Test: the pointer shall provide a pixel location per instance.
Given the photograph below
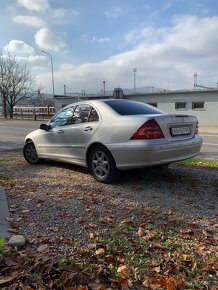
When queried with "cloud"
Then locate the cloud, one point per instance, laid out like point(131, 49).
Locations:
point(66, 67)
point(140, 34)
point(34, 61)
point(62, 13)
point(114, 12)
point(165, 58)
point(34, 5)
point(86, 39)
point(17, 47)
point(29, 20)
point(47, 39)
point(101, 39)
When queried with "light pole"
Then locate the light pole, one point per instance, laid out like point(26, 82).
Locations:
point(52, 73)
point(134, 71)
point(104, 87)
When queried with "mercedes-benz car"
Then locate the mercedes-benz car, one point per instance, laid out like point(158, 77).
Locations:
point(112, 135)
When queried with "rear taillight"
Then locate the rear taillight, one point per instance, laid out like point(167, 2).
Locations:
point(196, 129)
point(149, 130)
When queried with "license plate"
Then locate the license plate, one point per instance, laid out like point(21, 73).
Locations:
point(180, 131)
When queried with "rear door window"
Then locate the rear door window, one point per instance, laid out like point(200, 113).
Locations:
point(93, 117)
point(84, 113)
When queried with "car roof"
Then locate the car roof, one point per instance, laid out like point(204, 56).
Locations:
point(101, 101)
point(109, 106)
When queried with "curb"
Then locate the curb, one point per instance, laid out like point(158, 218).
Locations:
point(4, 212)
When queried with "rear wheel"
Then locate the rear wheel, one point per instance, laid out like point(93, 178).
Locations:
point(102, 165)
point(30, 154)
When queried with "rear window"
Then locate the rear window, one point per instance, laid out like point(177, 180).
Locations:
point(124, 108)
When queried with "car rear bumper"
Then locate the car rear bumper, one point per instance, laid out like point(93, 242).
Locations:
point(143, 154)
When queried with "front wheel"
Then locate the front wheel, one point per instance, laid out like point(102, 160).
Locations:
point(102, 165)
point(30, 154)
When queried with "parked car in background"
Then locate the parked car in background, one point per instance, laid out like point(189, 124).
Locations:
point(112, 135)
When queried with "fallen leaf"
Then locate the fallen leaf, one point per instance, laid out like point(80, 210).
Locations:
point(140, 232)
point(99, 252)
point(43, 248)
point(123, 271)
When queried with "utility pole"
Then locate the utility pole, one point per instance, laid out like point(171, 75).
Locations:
point(134, 71)
point(195, 80)
point(104, 87)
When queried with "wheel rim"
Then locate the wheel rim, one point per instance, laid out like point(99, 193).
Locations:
point(31, 153)
point(100, 164)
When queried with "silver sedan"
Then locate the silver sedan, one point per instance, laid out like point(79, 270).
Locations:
point(112, 135)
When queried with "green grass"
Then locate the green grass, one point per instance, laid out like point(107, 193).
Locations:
point(195, 162)
point(128, 258)
point(7, 181)
point(4, 252)
point(156, 254)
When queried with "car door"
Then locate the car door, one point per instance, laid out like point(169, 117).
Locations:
point(52, 142)
point(85, 122)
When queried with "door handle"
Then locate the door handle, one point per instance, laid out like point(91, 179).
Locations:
point(89, 128)
point(60, 131)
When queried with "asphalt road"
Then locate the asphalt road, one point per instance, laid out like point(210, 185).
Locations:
point(209, 148)
point(12, 133)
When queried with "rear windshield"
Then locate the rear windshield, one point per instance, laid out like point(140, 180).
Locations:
point(124, 107)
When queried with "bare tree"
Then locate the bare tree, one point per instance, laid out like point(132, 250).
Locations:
point(16, 83)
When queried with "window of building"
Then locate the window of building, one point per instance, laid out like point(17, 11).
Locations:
point(180, 105)
point(198, 105)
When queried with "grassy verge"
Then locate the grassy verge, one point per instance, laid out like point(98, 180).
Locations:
point(127, 258)
point(7, 181)
point(195, 162)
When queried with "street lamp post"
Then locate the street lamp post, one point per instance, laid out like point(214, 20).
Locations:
point(134, 71)
point(104, 87)
point(52, 73)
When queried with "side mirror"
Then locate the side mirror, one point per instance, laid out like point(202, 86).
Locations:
point(44, 127)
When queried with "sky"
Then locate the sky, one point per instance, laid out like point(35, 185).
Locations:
point(96, 41)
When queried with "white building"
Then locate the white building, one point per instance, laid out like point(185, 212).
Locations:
point(201, 103)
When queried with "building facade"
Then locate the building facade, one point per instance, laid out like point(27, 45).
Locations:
point(200, 103)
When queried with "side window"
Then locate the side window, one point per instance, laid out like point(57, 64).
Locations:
point(81, 114)
point(93, 117)
point(63, 118)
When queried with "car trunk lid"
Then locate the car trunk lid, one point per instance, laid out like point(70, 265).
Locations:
point(179, 127)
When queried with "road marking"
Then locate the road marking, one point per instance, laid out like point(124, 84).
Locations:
point(211, 144)
point(208, 135)
point(17, 128)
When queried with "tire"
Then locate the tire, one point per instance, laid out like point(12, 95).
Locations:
point(102, 165)
point(30, 154)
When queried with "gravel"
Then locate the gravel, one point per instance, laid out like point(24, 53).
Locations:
point(62, 204)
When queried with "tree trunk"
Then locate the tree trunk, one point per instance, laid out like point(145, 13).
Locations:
point(4, 108)
point(11, 112)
